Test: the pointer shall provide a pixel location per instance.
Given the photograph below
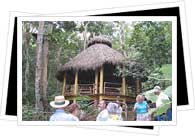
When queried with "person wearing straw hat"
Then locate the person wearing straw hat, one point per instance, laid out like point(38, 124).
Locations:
point(59, 104)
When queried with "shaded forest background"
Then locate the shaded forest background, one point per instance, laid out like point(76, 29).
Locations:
point(49, 45)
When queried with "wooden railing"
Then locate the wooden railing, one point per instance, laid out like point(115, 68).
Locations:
point(86, 89)
point(83, 89)
point(112, 88)
point(130, 92)
point(109, 89)
point(69, 90)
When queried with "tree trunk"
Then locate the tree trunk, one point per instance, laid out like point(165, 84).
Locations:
point(57, 66)
point(39, 68)
point(26, 37)
point(122, 39)
point(85, 35)
point(44, 73)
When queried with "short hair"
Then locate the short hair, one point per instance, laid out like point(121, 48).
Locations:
point(73, 107)
point(139, 96)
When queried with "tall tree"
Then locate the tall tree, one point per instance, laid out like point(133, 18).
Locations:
point(39, 68)
point(26, 37)
point(44, 72)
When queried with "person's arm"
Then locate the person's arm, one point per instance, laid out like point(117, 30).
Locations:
point(148, 107)
point(135, 108)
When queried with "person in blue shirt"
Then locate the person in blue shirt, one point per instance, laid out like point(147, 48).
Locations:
point(60, 115)
point(141, 109)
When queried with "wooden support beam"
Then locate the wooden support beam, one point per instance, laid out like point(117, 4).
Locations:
point(101, 79)
point(123, 86)
point(100, 97)
point(76, 84)
point(138, 86)
point(96, 81)
point(64, 85)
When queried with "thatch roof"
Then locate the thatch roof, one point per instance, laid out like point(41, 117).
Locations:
point(93, 57)
point(99, 39)
point(98, 53)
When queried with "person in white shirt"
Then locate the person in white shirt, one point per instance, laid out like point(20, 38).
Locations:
point(103, 115)
point(161, 97)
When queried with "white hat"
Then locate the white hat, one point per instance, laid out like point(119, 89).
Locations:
point(157, 88)
point(59, 102)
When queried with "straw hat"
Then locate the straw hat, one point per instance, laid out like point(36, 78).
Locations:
point(59, 102)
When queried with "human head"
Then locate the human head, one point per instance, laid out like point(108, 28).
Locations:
point(119, 103)
point(157, 90)
point(112, 108)
point(74, 109)
point(140, 98)
point(102, 105)
point(59, 102)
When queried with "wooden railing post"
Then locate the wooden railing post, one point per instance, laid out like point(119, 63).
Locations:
point(64, 85)
point(101, 80)
point(138, 86)
point(123, 86)
point(96, 81)
point(76, 85)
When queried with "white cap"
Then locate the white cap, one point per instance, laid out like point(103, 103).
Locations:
point(157, 88)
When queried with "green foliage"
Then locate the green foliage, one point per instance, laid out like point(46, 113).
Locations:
point(162, 109)
point(133, 69)
point(168, 91)
point(160, 76)
point(166, 71)
point(150, 95)
point(153, 41)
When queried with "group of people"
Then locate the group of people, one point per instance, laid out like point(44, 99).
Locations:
point(107, 112)
point(141, 106)
point(111, 111)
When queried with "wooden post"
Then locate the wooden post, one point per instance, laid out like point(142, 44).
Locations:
point(138, 86)
point(101, 80)
point(96, 81)
point(75, 86)
point(123, 86)
point(76, 83)
point(64, 85)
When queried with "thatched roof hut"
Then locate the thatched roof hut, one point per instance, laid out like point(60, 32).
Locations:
point(92, 72)
point(99, 52)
